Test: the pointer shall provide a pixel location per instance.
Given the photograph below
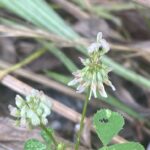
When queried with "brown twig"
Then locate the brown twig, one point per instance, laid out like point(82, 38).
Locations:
point(145, 3)
point(25, 89)
point(22, 31)
point(60, 41)
point(72, 9)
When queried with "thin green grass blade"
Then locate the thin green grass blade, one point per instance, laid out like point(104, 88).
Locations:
point(128, 74)
point(61, 56)
point(99, 11)
point(58, 77)
point(118, 7)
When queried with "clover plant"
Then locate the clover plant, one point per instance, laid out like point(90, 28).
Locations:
point(34, 109)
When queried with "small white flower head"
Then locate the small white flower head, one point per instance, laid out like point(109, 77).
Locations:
point(100, 46)
point(31, 111)
point(95, 72)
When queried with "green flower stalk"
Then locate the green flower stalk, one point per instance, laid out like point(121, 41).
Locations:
point(31, 111)
point(95, 72)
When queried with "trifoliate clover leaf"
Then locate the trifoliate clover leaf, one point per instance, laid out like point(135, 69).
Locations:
point(107, 124)
point(124, 146)
point(34, 144)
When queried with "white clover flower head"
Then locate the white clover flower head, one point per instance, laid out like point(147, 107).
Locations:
point(94, 47)
point(100, 46)
point(95, 72)
point(31, 111)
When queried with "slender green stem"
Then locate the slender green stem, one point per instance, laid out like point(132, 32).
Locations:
point(82, 121)
point(49, 134)
point(24, 62)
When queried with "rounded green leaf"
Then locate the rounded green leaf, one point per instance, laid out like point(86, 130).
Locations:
point(124, 146)
point(107, 124)
point(34, 144)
